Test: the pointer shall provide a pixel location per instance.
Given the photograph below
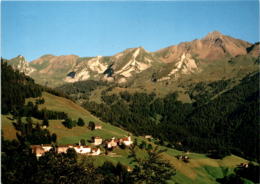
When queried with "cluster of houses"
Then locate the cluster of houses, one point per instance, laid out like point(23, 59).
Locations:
point(39, 150)
point(117, 142)
point(113, 142)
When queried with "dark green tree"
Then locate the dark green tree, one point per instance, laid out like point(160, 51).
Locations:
point(91, 125)
point(68, 123)
point(80, 122)
point(82, 142)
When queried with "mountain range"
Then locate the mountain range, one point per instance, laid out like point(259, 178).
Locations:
point(198, 99)
point(214, 57)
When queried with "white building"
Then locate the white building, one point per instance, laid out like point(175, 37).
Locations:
point(112, 143)
point(126, 141)
point(82, 149)
point(97, 141)
point(95, 151)
point(46, 147)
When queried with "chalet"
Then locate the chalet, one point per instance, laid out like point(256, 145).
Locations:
point(46, 147)
point(112, 143)
point(62, 149)
point(98, 127)
point(97, 140)
point(82, 149)
point(126, 141)
point(95, 151)
point(37, 150)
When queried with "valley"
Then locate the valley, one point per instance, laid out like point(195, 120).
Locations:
point(199, 100)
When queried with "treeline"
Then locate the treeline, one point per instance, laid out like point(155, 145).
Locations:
point(15, 88)
point(227, 124)
point(32, 110)
point(57, 92)
point(80, 89)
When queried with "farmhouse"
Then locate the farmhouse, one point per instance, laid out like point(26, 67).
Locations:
point(46, 147)
point(97, 140)
point(37, 150)
point(126, 141)
point(82, 149)
point(95, 151)
point(62, 149)
point(98, 127)
point(112, 143)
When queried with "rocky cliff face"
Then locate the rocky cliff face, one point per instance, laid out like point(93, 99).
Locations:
point(19, 63)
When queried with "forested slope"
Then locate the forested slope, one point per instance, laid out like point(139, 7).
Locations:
point(217, 127)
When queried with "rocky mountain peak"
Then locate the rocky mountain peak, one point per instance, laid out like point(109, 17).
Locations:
point(214, 36)
point(20, 63)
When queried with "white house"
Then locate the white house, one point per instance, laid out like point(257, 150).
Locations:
point(126, 141)
point(37, 150)
point(62, 149)
point(98, 127)
point(97, 141)
point(82, 149)
point(46, 147)
point(95, 151)
point(112, 143)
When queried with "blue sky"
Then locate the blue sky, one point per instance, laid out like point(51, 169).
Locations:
point(33, 29)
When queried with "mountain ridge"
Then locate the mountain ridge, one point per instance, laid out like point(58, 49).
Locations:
point(123, 66)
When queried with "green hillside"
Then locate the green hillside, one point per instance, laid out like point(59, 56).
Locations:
point(200, 169)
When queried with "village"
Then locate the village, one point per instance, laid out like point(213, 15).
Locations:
point(90, 150)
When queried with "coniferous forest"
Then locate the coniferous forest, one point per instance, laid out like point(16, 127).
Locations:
point(227, 124)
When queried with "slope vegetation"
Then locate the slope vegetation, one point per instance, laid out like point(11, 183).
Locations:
point(200, 169)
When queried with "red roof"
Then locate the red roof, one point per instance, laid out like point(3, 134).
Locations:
point(94, 149)
point(125, 139)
